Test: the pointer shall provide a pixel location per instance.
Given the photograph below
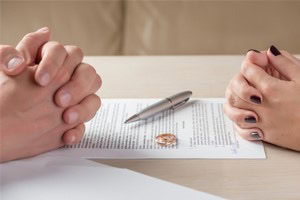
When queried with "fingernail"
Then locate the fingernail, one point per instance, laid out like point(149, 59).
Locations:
point(65, 98)
point(73, 138)
point(14, 63)
point(255, 135)
point(44, 80)
point(255, 99)
point(250, 119)
point(73, 117)
point(274, 51)
point(44, 29)
point(254, 50)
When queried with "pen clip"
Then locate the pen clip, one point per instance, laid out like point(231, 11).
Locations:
point(180, 103)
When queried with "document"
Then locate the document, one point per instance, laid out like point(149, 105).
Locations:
point(61, 178)
point(201, 128)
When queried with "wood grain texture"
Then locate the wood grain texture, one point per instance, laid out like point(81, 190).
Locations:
point(277, 177)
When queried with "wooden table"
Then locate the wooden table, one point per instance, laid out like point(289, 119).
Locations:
point(277, 177)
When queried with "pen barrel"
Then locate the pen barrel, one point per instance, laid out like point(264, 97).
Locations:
point(155, 108)
point(180, 97)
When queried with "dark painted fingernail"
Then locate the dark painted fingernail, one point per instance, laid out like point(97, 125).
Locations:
point(255, 135)
point(250, 119)
point(254, 50)
point(255, 99)
point(274, 51)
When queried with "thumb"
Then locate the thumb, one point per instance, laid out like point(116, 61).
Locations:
point(12, 61)
point(282, 64)
point(30, 45)
point(258, 58)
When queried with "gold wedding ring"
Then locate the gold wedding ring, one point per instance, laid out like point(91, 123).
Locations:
point(166, 139)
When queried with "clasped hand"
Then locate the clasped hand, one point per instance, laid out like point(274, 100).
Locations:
point(263, 99)
point(47, 93)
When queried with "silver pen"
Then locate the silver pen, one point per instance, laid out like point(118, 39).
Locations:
point(168, 103)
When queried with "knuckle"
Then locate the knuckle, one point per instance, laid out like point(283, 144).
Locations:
point(231, 100)
point(234, 81)
point(267, 89)
point(96, 104)
point(239, 87)
point(77, 86)
point(63, 76)
point(4, 49)
point(52, 65)
point(56, 46)
point(99, 82)
point(245, 67)
point(241, 124)
point(81, 127)
point(226, 109)
point(79, 132)
point(228, 92)
point(244, 91)
point(74, 50)
point(243, 135)
point(91, 70)
point(236, 77)
point(99, 102)
point(88, 70)
point(30, 36)
point(238, 118)
point(58, 49)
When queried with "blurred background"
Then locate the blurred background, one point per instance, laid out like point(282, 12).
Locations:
point(157, 27)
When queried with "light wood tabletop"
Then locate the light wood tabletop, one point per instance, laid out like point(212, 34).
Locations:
point(277, 177)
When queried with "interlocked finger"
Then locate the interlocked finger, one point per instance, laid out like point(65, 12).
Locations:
point(249, 134)
point(243, 118)
point(84, 111)
point(84, 82)
point(74, 135)
point(73, 59)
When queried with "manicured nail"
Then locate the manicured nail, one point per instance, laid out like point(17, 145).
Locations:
point(44, 29)
point(250, 119)
point(254, 50)
point(73, 138)
point(14, 63)
point(255, 99)
point(274, 51)
point(44, 80)
point(73, 117)
point(255, 135)
point(65, 98)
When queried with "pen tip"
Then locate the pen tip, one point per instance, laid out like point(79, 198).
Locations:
point(132, 119)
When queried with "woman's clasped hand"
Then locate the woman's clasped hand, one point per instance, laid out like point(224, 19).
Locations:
point(263, 99)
